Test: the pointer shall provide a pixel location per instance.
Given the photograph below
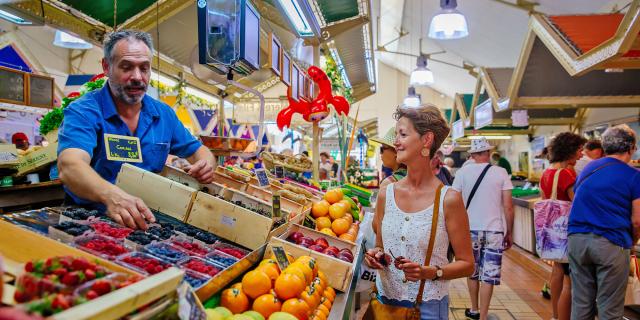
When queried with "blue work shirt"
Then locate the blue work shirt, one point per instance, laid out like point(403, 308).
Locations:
point(603, 201)
point(87, 119)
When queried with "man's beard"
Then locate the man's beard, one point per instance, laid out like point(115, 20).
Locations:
point(120, 91)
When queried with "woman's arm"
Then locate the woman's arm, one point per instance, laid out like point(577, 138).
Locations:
point(457, 224)
point(374, 255)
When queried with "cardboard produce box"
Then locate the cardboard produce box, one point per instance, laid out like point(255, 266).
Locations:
point(8, 156)
point(37, 159)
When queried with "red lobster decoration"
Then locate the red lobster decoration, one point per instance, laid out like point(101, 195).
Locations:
point(317, 109)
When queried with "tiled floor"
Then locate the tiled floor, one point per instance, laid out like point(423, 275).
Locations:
point(517, 298)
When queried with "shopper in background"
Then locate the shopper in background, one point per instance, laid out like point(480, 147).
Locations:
point(404, 212)
point(603, 225)
point(325, 166)
point(486, 190)
point(439, 170)
point(501, 162)
point(592, 151)
point(449, 163)
point(20, 140)
point(564, 150)
point(388, 156)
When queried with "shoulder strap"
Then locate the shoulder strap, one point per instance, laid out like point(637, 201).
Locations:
point(475, 186)
point(432, 238)
point(554, 186)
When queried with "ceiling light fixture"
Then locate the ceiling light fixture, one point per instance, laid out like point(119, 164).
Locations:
point(448, 23)
point(65, 40)
point(296, 17)
point(6, 15)
point(421, 76)
point(412, 100)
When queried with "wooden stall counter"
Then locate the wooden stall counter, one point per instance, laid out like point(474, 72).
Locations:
point(36, 195)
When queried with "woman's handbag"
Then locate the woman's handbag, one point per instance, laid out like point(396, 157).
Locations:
point(551, 219)
point(379, 311)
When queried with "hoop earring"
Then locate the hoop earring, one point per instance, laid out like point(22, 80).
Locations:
point(424, 152)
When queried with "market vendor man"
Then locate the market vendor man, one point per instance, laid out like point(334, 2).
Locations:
point(120, 124)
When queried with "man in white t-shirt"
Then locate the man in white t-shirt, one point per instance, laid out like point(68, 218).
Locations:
point(489, 209)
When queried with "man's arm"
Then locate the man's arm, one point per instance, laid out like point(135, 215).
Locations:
point(82, 180)
point(507, 204)
point(635, 220)
point(202, 164)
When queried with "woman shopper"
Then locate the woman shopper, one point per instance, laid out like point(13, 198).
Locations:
point(404, 212)
point(603, 225)
point(563, 152)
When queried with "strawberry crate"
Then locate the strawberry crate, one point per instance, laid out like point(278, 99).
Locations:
point(143, 263)
point(202, 266)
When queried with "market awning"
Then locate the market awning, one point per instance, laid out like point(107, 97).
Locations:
point(582, 43)
point(541, 82)
point(495, 82)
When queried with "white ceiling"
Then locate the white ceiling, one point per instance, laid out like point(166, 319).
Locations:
point(496, 33)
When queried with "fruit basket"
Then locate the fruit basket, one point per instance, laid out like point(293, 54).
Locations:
point(142, 263)
point(231, 250)
point(201, 266)
point(79, 214)
point(297, 163)
point(339, 271)
point(166, 252)
point(110, 229)
point(222, 258)
point(68, 231)
point(193, 248)
point(136, 240)
point(101, 246)
point(196, 280)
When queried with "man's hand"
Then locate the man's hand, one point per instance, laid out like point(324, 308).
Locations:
point(201, 170)
point(128, 210)
point(508, 241)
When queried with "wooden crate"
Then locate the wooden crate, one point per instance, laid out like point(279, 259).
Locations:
point(338, 272)
point(157, 192)
point(228, 181)
point(180, 176)
point(229, 221)
point(267, 195)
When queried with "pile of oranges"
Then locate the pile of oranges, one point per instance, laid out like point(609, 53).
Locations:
point(333, 216)
point(300, 290)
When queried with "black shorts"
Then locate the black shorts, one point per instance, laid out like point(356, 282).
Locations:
point(565, 268)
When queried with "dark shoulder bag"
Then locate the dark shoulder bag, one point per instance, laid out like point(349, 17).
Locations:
point(450, 253)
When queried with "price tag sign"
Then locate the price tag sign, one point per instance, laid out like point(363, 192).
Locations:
point(189, 307)
point(309, 222)
point(281, 257)
point(122, 148)
point(275, 204)
point(279, 172)
point(263, 179)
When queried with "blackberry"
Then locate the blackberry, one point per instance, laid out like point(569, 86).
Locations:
point(161, 232)
point(141, 237)
point(206, 237)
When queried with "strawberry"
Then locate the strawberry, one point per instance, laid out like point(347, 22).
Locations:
point(73, 278)
point(28, 267)
point(20, 296)
point(101, 287)
point(80, 264)
point(92, 295)
point(60, 302)
point(60, 272)
point(90, 274)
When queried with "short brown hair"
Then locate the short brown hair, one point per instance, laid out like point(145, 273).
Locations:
point(426, 118)
point(564, 146)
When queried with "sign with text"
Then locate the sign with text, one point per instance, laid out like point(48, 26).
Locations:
point(275, 204)
point(122, 148)
point(309, 222)
point(483, 115)
point(248, 111)
point(457, 129)
point(281, 257)
point(519, 118)
point(263, 180)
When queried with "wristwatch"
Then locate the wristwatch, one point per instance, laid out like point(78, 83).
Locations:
point(439, 273)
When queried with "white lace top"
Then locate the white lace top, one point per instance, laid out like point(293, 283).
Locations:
point(407, 235)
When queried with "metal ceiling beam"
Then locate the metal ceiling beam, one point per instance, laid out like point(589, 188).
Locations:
point(333, 30)
point(145, 20)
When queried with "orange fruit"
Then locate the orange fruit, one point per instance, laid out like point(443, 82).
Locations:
point(256, 283)
point(320, 209)
point(306, 270)
point(325, 302)
point(346, 206)
point(288, 286)
point(268, 262)
point(234, 300)
point(346, 203)
point(323, 222)
point(340, 226)
point(318, 315)
point(333, 196)
point(337, 211)
point(323, 277)
point(348, 217)
point(271, 270)
point(309, 296)
point(328, 231)
point(347, 237)
point(237, 286)
point(266, 304)
point(319, 285)
point(324, 310)
point(296, 272)
point(297, 307)
point(329, 293)
point(311, 262)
